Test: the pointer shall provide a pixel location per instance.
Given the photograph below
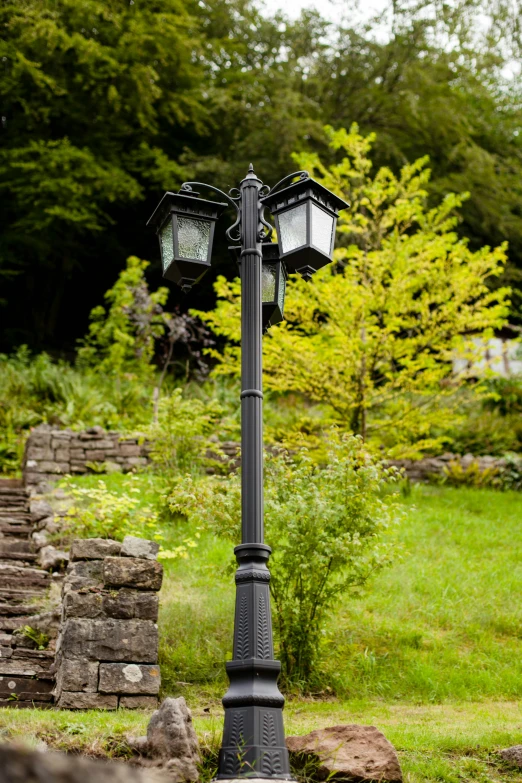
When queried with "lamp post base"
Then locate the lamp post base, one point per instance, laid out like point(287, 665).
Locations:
point(253, 738)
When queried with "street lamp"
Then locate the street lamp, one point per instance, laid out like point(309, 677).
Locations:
point(253, 743)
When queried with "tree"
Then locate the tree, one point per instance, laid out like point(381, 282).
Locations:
point(373, 337)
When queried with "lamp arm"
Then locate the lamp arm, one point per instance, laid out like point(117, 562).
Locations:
point(301, 174)
point(187, 187)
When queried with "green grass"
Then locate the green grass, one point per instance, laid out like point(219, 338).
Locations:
point(435, 743)
point(431, 654)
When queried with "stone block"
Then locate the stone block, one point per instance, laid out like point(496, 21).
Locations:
point(96, 455)
point(40, 440)
point(139, 547)
point(94, 548)
point(84, 573)
point(121, 604)
point(110, 640)
point(77, 675)
point(86, 701)
point(52, 467)
point(39, 453)
point(132, 572)
point(128, 450)
point(77, 453)
point(136, 462)
point(78, 468)
point(62, 455)
point(129, 678)
point(139, 702)
point(96, 445)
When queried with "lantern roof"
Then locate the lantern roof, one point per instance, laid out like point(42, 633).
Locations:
point(187, 203)
point(298, 191)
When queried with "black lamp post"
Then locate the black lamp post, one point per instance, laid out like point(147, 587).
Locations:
point(253, 739)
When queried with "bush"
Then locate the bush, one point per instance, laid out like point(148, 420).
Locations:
point(181, 435)
point(325, 526)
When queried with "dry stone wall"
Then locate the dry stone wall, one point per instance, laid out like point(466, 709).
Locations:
point(50, 453)
point(107, 651)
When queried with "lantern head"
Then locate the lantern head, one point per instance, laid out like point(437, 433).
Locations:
point(273, 283)
point(185, 224)
point(306, 215)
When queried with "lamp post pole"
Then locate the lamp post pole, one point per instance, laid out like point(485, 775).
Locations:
point(305, 213)
point(253, 738)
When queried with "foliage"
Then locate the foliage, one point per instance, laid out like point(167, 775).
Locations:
point(181, 436)
point(485, 432)
point(511, 476)
point(120, 340)
point(457, 475)
point(106, 104)
point(375, 336)
point(98, 512)
point(325, 527)
point(505, 395)
point(39, 639)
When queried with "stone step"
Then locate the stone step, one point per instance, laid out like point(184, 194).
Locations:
point(22, 557)
point(12, 483)
point(25, 689)
point(9, 526)
point(17, 610)
point(13, 545)
point(25, 668)
point(22, 576)
point(26, 705)
point(14, 595)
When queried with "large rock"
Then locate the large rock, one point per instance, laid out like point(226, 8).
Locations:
point(172, 740)
point(110, 640)
point(94, 548)
point(132, 572)
point(20, 765)
point(124, 604)
point(139, 547)
point(513, 755)
point(129, 678)
point(52, 559)
point(39, 510)
point(352, 751)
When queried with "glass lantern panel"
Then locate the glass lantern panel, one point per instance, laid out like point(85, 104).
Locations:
point(167, 245)
point(268, 282)
point(193, 238)
point(292, 227)
point(322, 229)
point(281, 293)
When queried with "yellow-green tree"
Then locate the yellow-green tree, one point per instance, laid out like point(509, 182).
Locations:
point(374, 335)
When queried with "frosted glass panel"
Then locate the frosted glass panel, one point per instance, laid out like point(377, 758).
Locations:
point(322, 229)
point(167, 245)
point(193, 238)
point(268, 282)
point(292, 226)
point(281, 293)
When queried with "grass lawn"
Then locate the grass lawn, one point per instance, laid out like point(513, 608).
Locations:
point(449, 743)
point(431, 654)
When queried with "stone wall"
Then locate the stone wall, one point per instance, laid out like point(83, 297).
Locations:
point(107, 650)
point(50, 453)
point(428, 468)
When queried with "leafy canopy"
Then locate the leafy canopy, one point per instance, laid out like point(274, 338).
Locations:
point(373, 337)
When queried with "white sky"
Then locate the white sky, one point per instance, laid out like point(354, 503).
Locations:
point(332, 10)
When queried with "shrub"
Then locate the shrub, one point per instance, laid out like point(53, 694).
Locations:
point(181, 435)
point(325, 526)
